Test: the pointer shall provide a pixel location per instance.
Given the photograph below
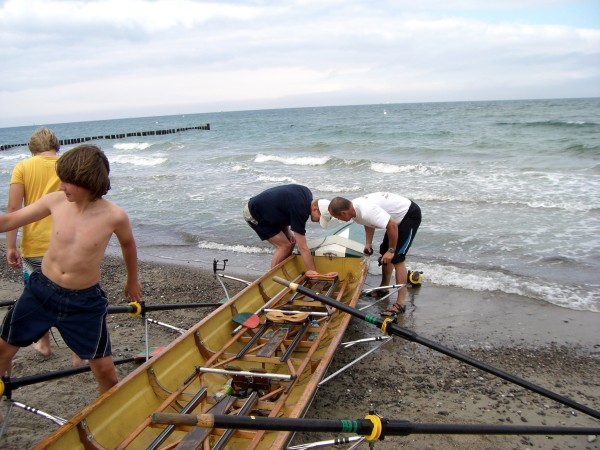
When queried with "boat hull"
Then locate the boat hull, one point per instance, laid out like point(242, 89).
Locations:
point(190, 372)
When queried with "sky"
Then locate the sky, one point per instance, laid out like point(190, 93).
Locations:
point(70, 61)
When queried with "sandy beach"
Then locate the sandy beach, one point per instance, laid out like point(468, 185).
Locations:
point(553, 347)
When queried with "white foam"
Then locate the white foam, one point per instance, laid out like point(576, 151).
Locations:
point(567, 296)
point(413, 168)
point(132, 146)
point(232, 248)
point(276, 179)
point(14, 157)
point(339, 189)
point(135, 160)
point(293, 160)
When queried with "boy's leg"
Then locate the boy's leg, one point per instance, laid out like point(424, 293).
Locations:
point(105, 373)
point(30, 265)
point(7, 352)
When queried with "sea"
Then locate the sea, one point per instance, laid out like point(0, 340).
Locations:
point(509, 190)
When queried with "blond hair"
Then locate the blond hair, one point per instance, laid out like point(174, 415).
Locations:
point(43, 140)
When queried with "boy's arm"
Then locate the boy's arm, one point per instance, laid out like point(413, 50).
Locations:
point(32, 213)
point(124, 234)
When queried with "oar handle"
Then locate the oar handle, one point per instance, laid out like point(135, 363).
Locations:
point(163, 307)
point(373, 427)
point(7, 385)
point(375, 320)
point(360, 426)
point(191, 420)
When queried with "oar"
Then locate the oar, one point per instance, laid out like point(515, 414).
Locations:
point(7, 385)
point(374, 427)
point(387, 326)
point(246, 319)
point(133, 309)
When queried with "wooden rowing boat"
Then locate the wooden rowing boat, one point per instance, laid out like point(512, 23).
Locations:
point(221, 367)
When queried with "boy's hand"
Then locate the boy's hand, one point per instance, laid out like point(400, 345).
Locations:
point(133, 290)
point(13, 258)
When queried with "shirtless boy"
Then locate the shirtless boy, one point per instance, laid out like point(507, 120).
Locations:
point(65, 294)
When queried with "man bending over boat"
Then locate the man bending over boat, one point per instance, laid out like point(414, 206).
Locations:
point(400, 218)
point(279, 215)
point(65, 293)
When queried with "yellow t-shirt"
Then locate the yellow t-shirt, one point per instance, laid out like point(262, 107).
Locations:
point(38, 177)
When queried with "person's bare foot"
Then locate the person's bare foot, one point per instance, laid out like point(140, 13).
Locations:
point(42, 348)
point(78, 362)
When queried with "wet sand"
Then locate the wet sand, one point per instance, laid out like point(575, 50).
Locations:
point(555, 348)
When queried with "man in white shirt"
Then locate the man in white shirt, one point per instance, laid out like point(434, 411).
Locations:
point(399, 217)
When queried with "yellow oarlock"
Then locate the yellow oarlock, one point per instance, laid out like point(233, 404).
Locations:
point(384, 324)
point(376, 433)
point(415, 277)
point(137, 309)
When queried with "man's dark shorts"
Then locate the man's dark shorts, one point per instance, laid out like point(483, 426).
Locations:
point(407, 229)
point(265, 231)
point(79, 315)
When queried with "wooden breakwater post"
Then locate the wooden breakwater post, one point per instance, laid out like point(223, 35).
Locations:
point(116, 136)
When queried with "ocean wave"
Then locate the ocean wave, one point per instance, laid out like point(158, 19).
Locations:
point(584, 150)
point(552, 123)
point(414, 168)
point(136, 160)
point(14, 157)
point(572, 296)
point(233, 248)
point(270, 179)
point(335, 189)
point(293, 160)
point(132, 146)
point(581, 205)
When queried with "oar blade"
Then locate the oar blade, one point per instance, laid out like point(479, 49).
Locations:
point(247, 319)
point(252, 322)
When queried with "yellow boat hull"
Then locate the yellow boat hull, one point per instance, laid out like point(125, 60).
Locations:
point(189, 373)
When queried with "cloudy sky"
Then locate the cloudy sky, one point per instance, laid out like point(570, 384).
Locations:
point(64, 60)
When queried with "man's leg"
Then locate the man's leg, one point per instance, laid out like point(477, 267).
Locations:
point(105, 373)
point(386, 274)
point(283, 248)
point(401, 278)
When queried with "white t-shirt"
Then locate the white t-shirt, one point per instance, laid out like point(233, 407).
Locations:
point(374, 210)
